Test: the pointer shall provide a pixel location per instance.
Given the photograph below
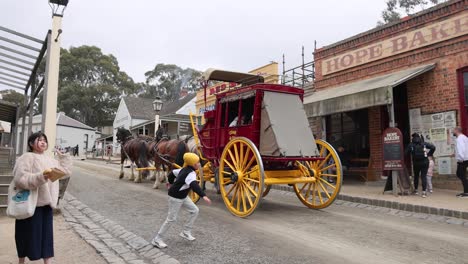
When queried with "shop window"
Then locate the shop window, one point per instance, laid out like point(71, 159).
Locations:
point(143, 131)
point(351, 131)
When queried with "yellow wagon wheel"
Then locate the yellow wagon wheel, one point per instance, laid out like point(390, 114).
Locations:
point(193, 195)
point(241, 176)
point(328, 175)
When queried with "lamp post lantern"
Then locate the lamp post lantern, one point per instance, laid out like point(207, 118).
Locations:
point(157, 106)
point(49, 110)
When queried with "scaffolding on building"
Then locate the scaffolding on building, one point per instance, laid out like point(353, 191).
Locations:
point(301, 76)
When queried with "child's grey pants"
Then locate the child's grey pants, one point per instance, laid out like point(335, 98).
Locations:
point(174, 208)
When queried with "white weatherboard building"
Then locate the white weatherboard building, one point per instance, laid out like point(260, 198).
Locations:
point(70, 133)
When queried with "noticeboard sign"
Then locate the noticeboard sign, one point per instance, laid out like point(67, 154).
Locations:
point(392, 142)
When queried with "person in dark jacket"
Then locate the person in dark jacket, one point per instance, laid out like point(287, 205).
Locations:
point(186, 180)
point(420, 150)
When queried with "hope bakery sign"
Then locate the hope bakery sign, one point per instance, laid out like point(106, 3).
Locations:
point(428, 35)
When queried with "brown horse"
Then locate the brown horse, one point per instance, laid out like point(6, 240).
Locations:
point(133, 149)
point(165, 152)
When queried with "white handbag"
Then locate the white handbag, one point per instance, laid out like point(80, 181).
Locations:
point(21, 203)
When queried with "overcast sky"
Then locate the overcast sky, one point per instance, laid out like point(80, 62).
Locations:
point(234, 35)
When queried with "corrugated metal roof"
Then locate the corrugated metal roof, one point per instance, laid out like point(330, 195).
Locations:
point(64, 120)
point(142, 108)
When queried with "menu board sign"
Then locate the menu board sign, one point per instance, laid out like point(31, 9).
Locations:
point(393, 158)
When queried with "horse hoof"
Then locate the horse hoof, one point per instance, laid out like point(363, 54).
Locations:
point(120, 177)
point(155, 187)
point(137, 181)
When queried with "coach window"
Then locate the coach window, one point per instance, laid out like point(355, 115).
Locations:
point(233, 113)
point(247, 111)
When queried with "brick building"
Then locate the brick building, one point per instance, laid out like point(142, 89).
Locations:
point(416, 68)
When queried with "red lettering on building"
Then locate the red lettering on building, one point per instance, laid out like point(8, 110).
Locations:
point(360, 54)
point(334, 65)
point(419, 38)
point(347, 62)
point(375, 51)
point(438, 30)
point(399, 44)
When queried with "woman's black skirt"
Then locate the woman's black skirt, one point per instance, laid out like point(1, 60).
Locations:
point(35, 235)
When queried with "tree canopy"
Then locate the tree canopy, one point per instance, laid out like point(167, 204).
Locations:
point(167, 80)
point(395, 9)
point(91, 85)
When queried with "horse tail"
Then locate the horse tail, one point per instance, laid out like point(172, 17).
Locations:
point(143, 155)
point(181, 149)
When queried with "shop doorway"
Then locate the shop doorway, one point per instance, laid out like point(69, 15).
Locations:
point(463, 95)
point(400, 106)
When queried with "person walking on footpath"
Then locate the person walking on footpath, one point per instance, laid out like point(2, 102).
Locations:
point(430, 172)
point(419, 152)
point(186, 180)
point(34, 235)
point(462, 159)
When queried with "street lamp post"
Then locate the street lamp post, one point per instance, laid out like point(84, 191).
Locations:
point(157, 105)
point(49, 122)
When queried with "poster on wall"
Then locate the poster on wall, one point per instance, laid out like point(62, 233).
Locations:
point(439, 134)
point(450, 120)
point(444, 165)
point(437, 129)
point(437, 120)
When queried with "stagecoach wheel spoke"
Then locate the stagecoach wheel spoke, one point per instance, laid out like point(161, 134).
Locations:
point(249, 198)
point(230, 190)
point(324, 189)
point(241, 164)
point(328, 178)
point(236, 155)
point(230, 166)
point(246, 158)
point(327, 183)
point(313, 194)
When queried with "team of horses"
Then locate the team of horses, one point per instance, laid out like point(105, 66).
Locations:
point(162, 151)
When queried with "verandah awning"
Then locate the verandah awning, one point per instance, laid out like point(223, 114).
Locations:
point(361, 94)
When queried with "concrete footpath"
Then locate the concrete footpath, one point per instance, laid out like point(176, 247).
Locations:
point(69, 247)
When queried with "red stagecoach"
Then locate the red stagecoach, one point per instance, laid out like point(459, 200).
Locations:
point(257, 136)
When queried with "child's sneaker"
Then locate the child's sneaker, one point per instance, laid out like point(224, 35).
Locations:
point(159, 243)
point(430, 191)
point(415, 192)
point(424, 195)
point(187, 236)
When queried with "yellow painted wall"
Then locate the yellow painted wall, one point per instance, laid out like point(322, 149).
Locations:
point(269, 73)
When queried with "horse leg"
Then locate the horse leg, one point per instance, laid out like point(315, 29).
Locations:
point(153, 176)
point(132, 178)
point(157, 174)
point(138, 177)
point(121, 167)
